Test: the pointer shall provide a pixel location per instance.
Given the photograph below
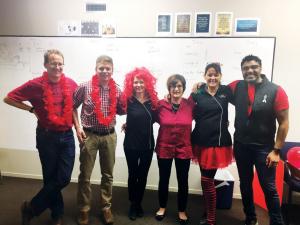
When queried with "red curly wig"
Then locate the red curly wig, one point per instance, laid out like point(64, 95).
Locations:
point(149, 81)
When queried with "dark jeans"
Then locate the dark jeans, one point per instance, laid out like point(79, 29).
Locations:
point(57, 154)
point(138, 162)
point(247, 156)
point(182, 172)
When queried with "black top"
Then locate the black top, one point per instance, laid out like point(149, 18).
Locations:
point(139, 125)
point(211, 117)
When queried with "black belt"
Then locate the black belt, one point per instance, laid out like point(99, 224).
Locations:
point(100, 133)
point(41, 129)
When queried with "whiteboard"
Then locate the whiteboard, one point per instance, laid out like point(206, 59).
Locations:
point(21, 59)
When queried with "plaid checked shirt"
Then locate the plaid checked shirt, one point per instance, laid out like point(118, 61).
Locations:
point(88, 117)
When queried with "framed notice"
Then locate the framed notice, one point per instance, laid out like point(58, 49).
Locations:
point(202, 24)
point(183, 24)
point(164, 24)
point(247, 26)
point(223, 23)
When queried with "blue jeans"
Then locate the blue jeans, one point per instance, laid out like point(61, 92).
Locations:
point(247, 156)
point(57, 154)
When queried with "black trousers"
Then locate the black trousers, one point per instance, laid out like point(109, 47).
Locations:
point(138, 162)
point(182, 172)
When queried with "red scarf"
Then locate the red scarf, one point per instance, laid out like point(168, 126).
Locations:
point(66, 117)
point(96, 98)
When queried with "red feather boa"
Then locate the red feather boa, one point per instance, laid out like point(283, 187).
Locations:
point(97, 101)
point(66, 117)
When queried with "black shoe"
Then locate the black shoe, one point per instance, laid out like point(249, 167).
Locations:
point(251, 221)
point(26, 213)
point(206, 223)
point(203, 220)
point(132, 212)
point(183, 222)
point(159, 217)
point(57, 221)
point(139, 211)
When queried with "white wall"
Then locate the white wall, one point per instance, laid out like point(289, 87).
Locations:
point(137, 18)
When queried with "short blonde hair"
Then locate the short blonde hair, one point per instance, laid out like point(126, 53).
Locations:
point(104, 58)
point(52, 52)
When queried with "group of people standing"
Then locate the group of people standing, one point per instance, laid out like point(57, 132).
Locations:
point(54, 100)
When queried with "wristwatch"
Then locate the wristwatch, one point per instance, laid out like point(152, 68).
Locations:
point(276, 150)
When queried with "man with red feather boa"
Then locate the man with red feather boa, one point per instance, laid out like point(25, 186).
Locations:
point(50, 96)
point(100, 99)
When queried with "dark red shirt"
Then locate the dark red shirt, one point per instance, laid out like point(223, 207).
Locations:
point(32, 91)
point(174, 135)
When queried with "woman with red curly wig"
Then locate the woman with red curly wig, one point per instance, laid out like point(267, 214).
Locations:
point(140, 100)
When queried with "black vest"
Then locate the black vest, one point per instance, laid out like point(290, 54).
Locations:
point(260, 126)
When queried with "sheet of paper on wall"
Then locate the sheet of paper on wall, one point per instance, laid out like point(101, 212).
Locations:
point(90, 28)
point(69, 28)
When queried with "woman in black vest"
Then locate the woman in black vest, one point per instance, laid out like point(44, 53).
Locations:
point(212, 145)
point(140, 100)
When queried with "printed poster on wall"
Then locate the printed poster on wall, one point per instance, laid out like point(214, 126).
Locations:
point(164, 24)
point(223, 23)
point(183, 24)
point(247, 26)
point(202, 23)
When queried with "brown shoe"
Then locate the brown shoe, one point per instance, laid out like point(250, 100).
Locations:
point(108, 216)
point(26, 213)
point(83, 218)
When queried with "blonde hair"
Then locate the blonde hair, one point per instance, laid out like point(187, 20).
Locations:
point(52, 52)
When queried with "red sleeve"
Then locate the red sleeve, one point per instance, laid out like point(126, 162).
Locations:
point(21, 93)
point(232, 85)
point(281, 100)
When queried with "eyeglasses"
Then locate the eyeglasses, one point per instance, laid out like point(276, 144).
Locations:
point(54, 65)
point(253, 67)
point(179, 86)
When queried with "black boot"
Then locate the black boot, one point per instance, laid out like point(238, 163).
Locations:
point(139, 210)
point(132, 212)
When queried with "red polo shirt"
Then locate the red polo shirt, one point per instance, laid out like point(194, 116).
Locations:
point(32, 91)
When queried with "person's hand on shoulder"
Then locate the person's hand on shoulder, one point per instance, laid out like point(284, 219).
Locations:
point(196, 86)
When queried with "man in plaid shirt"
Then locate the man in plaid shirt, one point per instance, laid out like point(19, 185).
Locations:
point(100, 99)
